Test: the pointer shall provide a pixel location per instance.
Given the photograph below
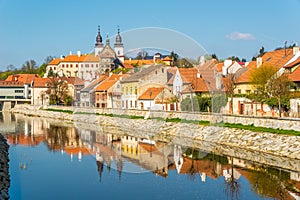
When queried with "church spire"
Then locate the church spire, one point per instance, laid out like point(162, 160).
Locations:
point(118, 37)
point(107, 39)
point(98, 38)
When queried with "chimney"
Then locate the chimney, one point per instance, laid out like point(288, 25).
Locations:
point(295, 50)
point(78, 53)
point(198, 74)
point(258, 62)
point(70, 52)
point(202, 60)
point(227, 63)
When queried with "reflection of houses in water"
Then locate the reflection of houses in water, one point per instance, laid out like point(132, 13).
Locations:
point(147, 153)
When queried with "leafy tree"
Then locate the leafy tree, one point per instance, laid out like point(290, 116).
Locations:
point(270, 85)
point(278, 87)
point(141, 55)
point(234, 58)
point(230, 85)
point(261, 51)
point(174, 56)
point(184, 63)
point(29, 66)
point(214, 56)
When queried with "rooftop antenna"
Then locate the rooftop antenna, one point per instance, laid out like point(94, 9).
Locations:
point(285, 47)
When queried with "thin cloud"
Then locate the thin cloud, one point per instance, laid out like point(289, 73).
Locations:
point(240, 36)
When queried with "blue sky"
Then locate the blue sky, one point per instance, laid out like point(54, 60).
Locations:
point(36, 29)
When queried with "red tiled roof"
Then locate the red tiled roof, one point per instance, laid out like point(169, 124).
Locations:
point(24, 78)
point(41, 82)
point(154, 93)
point(292, 64)
point(295, 75)
point(55, 61)
point(188, 75)
point(244, 77)
point(105, 85)
point(200, 85)
point(275, 58)
point(127, 66)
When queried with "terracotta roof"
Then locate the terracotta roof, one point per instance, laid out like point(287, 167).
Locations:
point(292, 64)
point(55, 61)
point(219, 67)
point(200, 85)
point(139, 62)
point(128, 66)
point(275, 58)
point(41, 82)
point(295, 75)
point(244, 77)
point(154, 93)
point(21, 139)
point(188, 75)
point(94, 83)
point(24, 78)
point(105, 85)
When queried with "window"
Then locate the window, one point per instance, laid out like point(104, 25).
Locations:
point(76, 65)
point(71, 65)
point(54, 68)
point(163, 70)
point(135, 90)
point(67, 65)
point(92, 65)
point(155, 72)
point(81, 65)
point(18, 91)
point(248, 91)
point(97, 65)
point(63, 66)
point(239, 91)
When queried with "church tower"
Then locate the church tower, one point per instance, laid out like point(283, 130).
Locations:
point(119, 47)
point(99, 44)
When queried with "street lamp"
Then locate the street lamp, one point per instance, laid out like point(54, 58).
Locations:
point(255, 92)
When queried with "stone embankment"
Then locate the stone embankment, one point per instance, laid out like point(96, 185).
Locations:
point(4, 169)
point(272, 144)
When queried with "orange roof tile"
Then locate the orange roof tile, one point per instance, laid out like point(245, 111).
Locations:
point(200, 85)
point(188, 74)
point(154, 93)
point(105, 85)
point(219, 67)
point(55, 61)
point(139, 62)
point(128, 66)
point(41, 82)
point(275, 58)
point(295, 75)
point(24, 78)
point(244, 77)
point(292, 64)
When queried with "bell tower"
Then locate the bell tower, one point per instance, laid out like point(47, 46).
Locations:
point(119, 47)
point(99, 44)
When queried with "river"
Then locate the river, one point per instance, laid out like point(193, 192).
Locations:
point(53, 159)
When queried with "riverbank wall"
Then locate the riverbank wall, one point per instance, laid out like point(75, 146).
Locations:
point(4, 169)
point(271, 144)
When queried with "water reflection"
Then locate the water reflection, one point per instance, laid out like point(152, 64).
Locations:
point(135, 154)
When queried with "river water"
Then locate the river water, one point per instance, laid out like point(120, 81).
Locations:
point(58, 160)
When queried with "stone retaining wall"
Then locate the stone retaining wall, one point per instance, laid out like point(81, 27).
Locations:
point(278, 145)
point(4, 169)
